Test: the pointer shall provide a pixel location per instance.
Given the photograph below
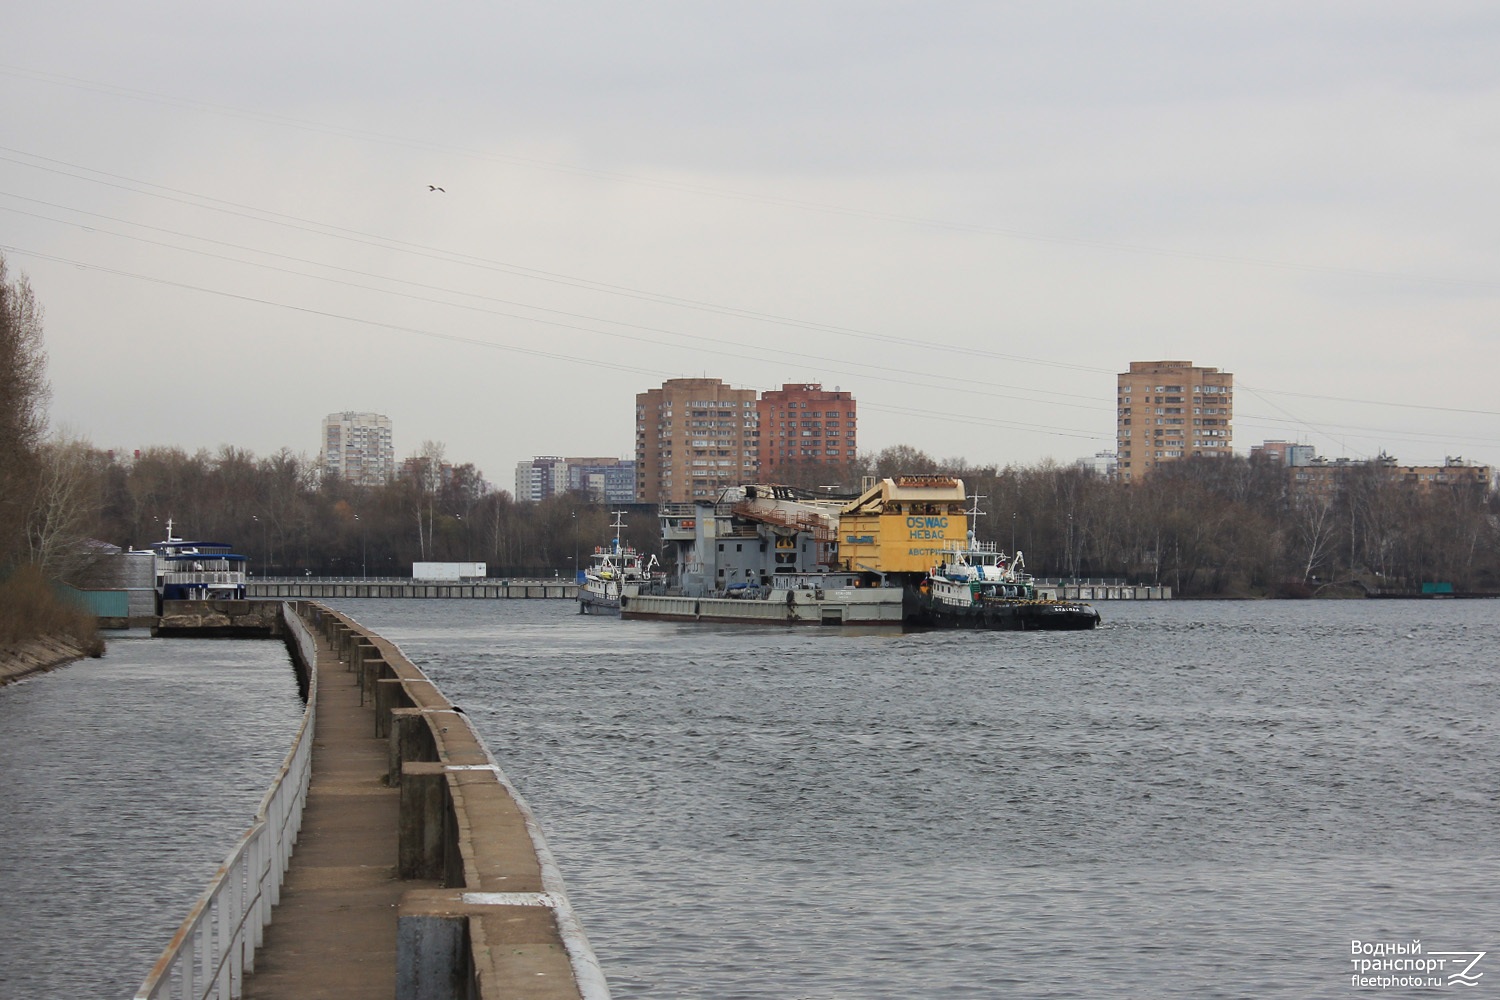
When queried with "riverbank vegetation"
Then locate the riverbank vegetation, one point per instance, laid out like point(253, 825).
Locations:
point(45, 506)
point(1229, 527)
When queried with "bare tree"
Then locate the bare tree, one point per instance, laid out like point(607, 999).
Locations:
point(65, 507)
point(23, 406)
point(427, 473)
point(1313, 519)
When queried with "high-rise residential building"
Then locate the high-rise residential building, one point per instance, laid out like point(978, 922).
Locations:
point(805, 424)
point(357, 447)
point(1104, 464)
point(693, 438)
point(1168, 410)
point(606, 480)
point(542, 477)
point(1285, 453)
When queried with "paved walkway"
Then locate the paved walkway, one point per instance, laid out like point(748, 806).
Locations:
point(334, 933)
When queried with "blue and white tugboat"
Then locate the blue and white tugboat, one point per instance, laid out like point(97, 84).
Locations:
point(198, 571)
point(978, 586)
point(615, 570)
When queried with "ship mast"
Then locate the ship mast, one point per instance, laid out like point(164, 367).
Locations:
point(973, 516)
point(618, 526)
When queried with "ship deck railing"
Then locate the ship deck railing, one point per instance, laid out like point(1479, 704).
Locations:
point(227, 578)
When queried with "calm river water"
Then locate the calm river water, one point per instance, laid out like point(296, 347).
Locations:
point(1197, 800)
point(127, 780)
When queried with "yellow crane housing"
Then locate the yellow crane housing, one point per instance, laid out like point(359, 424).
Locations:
point(903, 525)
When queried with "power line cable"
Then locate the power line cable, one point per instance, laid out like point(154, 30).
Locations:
point(731, 194)
point(954, 382)
point(436, 253)
point(321, 229)
point(473, 341)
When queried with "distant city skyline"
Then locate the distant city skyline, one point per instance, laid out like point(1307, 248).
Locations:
point(971, 217)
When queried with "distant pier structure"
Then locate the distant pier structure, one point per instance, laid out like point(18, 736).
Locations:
point(1101, 590)
point(317, 588)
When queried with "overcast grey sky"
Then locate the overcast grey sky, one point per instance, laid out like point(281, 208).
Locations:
point(969, 214)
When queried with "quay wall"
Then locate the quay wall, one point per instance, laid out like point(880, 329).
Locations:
point(1101, 592)
point(225, 619)
point(314, 588)
point(502, 926)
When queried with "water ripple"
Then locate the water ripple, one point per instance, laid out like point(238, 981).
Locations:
point(128, 780)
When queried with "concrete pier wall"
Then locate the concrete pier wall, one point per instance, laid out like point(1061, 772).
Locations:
point(220, 619)
point(1102, 592)
point(500, 924)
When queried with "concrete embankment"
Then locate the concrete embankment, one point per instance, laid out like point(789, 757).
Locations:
point(419, 870)
point(32, 657)
point(317, 588)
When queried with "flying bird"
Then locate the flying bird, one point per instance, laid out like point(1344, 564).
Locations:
point(434, 187)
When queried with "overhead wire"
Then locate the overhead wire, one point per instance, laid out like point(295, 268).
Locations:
point(455, 338)
point(327, 230)
point(314, 227)
point(955, 382)
point(436, 253)
point(716, 191)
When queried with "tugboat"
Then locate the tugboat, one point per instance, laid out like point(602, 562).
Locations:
point(614, 570)
point(978, 586)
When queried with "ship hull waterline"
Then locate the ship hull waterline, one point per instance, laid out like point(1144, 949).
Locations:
point(1027, 616)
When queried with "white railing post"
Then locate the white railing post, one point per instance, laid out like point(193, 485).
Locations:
point(189, 981)
point(214, 948)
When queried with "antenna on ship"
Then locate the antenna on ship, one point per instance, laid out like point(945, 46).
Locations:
point(973, 515)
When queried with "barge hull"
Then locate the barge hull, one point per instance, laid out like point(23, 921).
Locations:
point(863, 609)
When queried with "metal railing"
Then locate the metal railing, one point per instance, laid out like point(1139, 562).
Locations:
point(1088, 581)
point(496, 581)
point(203, 576)
point(215, 946)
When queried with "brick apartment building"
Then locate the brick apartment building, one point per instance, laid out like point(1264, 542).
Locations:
point(693, 438)
point(1168, 410)
point(805, 424)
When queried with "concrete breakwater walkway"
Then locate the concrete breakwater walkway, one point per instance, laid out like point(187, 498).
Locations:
point(418, 871)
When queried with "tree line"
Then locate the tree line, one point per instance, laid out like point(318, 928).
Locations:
point(290, 521)
point(1226, 526)
point(1233, 526)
